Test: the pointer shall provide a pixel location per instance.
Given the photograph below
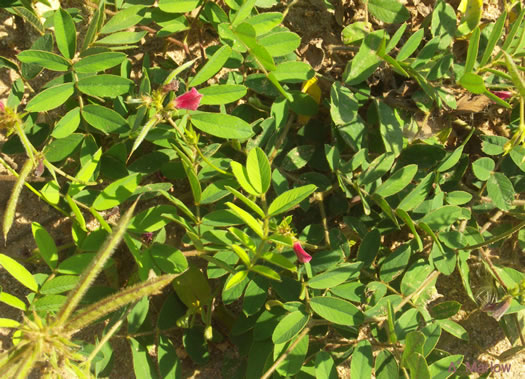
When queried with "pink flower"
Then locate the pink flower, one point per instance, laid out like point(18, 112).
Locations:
point(302, 256)
point(190, 100)
point(503, 95)
point(2, 108)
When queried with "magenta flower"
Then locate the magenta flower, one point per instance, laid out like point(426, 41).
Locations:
point(190, 100)
point(302, 256)
point(2, 108)
point(503, 95)
point(497, 310)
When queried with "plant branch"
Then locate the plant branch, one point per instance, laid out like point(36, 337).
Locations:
point(292, 346)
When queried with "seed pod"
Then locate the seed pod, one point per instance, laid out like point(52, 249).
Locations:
point(9, 214)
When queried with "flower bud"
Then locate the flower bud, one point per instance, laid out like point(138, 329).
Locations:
point(190, 100)
point(302, 256)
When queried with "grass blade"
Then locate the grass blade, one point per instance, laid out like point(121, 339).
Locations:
point(9, 214)
point(94, 268)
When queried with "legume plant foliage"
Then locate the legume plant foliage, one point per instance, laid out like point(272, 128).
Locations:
point(305, 229)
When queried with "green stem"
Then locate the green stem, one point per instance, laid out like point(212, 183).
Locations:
point(497, 238)
point(211, 164)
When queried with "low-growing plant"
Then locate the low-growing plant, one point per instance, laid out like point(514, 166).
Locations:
point(305, 228)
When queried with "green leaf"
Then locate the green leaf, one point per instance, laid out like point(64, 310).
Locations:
point(287, 200)
point(443, 258)
point(94, 26)
point(65, 33)
point(471, 18)
point(445, 309)
point(62, 148)
point(408, 221)
point(221, 125)
point(418, 194)
point(472, 52)
point(142, 365)
point(122, 38)
point(518, 156)
point(334, 277)
point(391, 128)
point(117, 192)
point(369, 247)
point(241, 174)
point(104, 119)
point(443, 24)
point(473, 83)
point(354, 32)
point(386, 365)
point(19, 272)
point(458, 197)
point(414, 342)
point(454, 328)
point(395, 263)
point(493, 145)
point(49, 303)
point(245, 33)
point(178, 6)
point(242, 254)
point(343, 105)
point(293, 72)
point(264, 22)
point(415, 276)
point(222, 94)
point(258, 170)
point(338, 311)
point(235, 279)
point(289, 327)
point(281, 43)
point(59, 284)
point(46, 245)
point(99, 62)
point(253, 223)
point(213, 66)
point(293, 363)
point(12, 301)
point(105, 85)
point(137, 315)
point(500, 191)
point(398, 181)
point(246, 201)
point(443, 217)
point(124, 19)
point(410, 45)
point(51, 98)
point(494, 37)
point(378, 167)
point(67, 124)
point(418, 366)
point(325, 366)
point(514, 72)
point(445, 367)
point(362, 360)
point(280, 261)
point(30, 17)
point(8, 323)
point(45, 59)
point(450, 161)
point(389, 11)
point(297, 157)
point(244, 11)
point(267, 272)
point(168, 361)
